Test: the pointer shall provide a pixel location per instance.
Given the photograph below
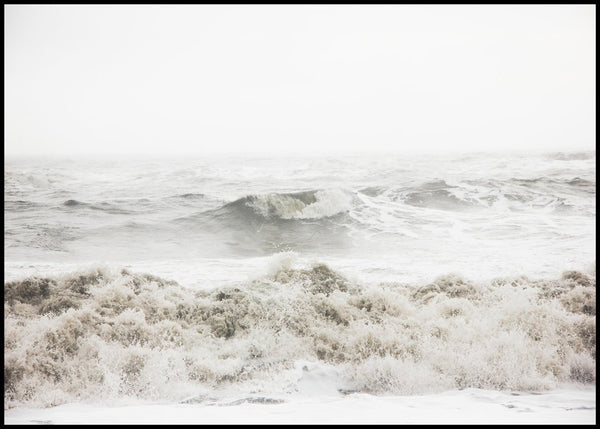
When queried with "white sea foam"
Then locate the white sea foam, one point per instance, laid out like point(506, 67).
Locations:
point(103, 334)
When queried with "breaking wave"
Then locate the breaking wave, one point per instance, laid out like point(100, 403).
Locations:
point(330, 206)
point(105, 334)
point(300, 205)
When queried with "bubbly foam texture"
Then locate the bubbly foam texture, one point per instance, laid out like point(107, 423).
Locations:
point(103, 334)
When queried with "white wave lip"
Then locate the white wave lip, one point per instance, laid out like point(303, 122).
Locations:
point(322, 204)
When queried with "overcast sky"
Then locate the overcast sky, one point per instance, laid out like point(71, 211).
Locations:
point(298, 79)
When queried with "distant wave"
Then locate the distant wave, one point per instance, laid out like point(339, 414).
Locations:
point(112, 208)
point(573, 156)
point(575, 181)
point(20, 205)
point(190, 196)
point(102, 334)
point(74, 203)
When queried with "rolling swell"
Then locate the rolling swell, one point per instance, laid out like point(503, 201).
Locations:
point(437, 194)
point(102, 334)
point(113, 207)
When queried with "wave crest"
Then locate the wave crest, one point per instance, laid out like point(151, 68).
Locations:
point(302, 205)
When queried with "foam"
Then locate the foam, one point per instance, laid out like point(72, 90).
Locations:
point(107, 334)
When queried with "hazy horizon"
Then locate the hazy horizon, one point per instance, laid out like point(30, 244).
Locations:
point(120, 80)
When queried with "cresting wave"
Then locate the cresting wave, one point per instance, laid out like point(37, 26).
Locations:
point(366, 207)
point(104, 334)
point(314, 204)
point(303, 205)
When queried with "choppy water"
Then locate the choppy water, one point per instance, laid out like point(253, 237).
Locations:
point(188, 279)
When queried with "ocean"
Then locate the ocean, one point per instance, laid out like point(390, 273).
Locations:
point(273, 289)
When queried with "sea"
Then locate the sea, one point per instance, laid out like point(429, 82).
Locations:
point(366, 288)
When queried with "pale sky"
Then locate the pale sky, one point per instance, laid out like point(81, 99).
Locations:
point(193, 79)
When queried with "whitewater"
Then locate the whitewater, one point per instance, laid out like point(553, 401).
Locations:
point(352, 289)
